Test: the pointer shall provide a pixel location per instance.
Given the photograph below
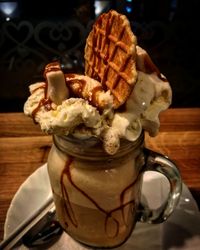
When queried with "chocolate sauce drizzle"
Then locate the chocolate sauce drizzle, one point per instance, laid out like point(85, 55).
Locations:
point(108, 214)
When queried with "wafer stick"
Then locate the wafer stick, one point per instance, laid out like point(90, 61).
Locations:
point(56, 89)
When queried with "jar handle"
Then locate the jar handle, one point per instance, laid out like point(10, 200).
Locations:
point(160, 163)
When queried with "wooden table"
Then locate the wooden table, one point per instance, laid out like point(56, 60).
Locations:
point(24, 148)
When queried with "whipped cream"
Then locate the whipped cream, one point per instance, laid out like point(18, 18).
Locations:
point(90, 112)
point(150, 96)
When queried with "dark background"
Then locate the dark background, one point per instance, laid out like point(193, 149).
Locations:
point(31, 35)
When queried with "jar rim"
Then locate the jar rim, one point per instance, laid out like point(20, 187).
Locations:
point(93, 147)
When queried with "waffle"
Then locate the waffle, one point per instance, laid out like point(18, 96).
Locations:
point(110, 55)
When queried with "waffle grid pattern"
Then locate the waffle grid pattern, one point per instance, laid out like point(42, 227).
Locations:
point(109, 59)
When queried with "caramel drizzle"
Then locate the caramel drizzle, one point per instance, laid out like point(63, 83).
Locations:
point(53, 66)
point(122, 196)
point(92, 95)
point(67, 205)
point(150, 67)
point(81, 85)
point(46, 103)
point(108, 214)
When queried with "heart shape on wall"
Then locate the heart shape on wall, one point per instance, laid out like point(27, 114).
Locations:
point(18, 33)
point(58, 38)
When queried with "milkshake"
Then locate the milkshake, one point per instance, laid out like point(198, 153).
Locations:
point(98, 121)
point(96, 195)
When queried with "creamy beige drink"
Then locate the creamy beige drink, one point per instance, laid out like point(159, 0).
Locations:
point(96, 195)
point(98, 121)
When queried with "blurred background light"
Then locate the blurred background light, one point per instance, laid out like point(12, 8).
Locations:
point(128, 9)
point(101, 6)
point(8, 8)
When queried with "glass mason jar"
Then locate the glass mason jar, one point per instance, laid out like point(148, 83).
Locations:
point(97, 196)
